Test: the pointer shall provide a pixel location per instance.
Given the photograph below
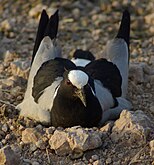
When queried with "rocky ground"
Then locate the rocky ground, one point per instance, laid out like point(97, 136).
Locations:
point(87, 25)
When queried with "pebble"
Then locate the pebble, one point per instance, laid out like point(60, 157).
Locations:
point(50, 130)
point(94, 157)
point(41, 144)
point(5, 26)
point(21, 128)
point(152, 108)
point(27, 161)
point(12, 128)
point(4, 141)
point(108, 160)
point(35, 163)
point(8, 137)
point(5, 128)
point(98, 35)
point(98, 162)
point(33, 147)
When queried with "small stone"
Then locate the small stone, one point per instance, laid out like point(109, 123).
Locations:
point(50, 130)
point(5, 26)
point(98, 162)
point(91, 161)
point(39, 127)
point(79, 163)
point(107, 127)
point(76, 13)
point(94, 157)
point(4, 141)
point(21, 128)
point(59, 143)
point(33, 147)
point(82, 139)
point(35, 163)
point(9, 56)
point(108, 160)
point(27, 161)
point(12, 128)
point(133, 126)
point(152, 148)
point(8, 137)
point(41, 144)
point(5, 128)
point(8, 156)
point(152, 108)
point(30, 135)
point(151, 144)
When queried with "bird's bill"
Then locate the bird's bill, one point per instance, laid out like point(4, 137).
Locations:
point(81, 95)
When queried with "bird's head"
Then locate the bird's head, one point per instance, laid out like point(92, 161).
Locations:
point(74, 83)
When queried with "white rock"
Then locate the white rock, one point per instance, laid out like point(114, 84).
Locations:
point(80, 139)
point(74, 140)
point(135, 126)
point(59, 143)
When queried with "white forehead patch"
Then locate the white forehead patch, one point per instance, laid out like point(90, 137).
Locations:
point(78, 78)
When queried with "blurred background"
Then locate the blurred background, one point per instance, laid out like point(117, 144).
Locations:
point(83, 24)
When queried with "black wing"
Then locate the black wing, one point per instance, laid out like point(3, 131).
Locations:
point(47, 74)
point(46, 27)
point(107, 73)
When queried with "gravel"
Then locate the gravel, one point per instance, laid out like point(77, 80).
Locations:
point(85, 25)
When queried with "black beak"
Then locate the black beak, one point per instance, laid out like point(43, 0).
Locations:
point(81, 95)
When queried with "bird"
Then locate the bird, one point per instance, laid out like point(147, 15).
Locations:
point(80, 91)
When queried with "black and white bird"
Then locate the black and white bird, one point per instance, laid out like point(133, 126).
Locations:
point(61, 92)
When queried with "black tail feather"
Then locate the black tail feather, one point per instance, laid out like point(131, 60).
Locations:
point(52, 27)
point(47, 27)
point(124, 30)
point(40, 32)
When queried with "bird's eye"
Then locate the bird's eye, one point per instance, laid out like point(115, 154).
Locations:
point(68, 82)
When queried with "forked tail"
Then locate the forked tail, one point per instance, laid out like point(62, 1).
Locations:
point(47, 27)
